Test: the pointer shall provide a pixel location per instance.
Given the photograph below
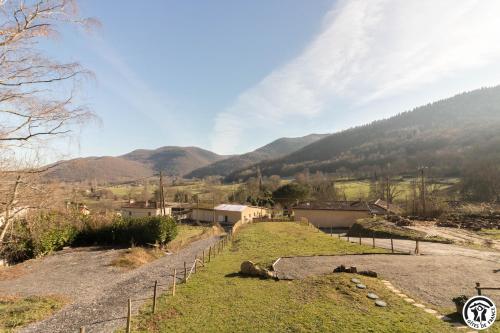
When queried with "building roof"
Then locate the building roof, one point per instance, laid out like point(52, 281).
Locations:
point(230, 207)
point(361, 206)
point(383, 204)
point(144, 205)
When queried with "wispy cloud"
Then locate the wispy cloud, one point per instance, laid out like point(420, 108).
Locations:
point(367, 51)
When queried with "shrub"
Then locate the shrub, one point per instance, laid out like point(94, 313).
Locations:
point(127, 231)
point(37, 236)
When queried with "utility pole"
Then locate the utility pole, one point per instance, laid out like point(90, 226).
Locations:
point(388, 194)
point(423, 191)
point(162, 198)
point(198, 208)
point(213, 209)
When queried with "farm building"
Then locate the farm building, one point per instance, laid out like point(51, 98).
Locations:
point(228, 213)
point(336, 214)
point(144, 208)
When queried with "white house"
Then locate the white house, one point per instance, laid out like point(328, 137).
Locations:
point(144, 208)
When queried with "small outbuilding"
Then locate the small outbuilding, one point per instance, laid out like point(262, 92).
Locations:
point(229, 213)
point(144, 208)
point(336, 214)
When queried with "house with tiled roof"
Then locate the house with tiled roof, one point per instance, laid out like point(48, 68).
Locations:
point(336, 214)
point(146, 208)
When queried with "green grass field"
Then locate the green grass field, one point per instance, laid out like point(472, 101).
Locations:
point(16, 312)
point(353, 189)
point(217, 299)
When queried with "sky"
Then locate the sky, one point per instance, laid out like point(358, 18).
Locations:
point(230, 76)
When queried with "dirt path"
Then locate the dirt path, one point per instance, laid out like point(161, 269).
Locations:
point(430, 248)
point(433, 279)
point(457, 235)
point(98, 292)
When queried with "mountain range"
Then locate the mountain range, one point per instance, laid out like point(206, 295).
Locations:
point(186, 162)
point(443, 136)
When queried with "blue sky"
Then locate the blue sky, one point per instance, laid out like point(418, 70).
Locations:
point(230, 76)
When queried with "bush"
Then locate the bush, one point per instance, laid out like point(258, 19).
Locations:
point(37, 236)
point(48, 232)
point(127, 231)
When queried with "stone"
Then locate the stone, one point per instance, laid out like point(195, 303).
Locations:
point(339, 269)
point(372, 296)
point(354, 280)
point(409, 300)
point(418, 305)
point(251, 269)
point(431, 311)
point(361, 286)
point(380, 303)
point(369, 273)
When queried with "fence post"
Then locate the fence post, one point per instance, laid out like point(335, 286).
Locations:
point(478, 288)
point(209, 253)
point(348, 239)
point(129, 315)
point(339, 235)
point(82, 329)
point(154, 296)
point(417, 250)
point(185, 273)
point(195, 263)
point(331, 230)
point(174, 282)
point(359, 240)
point(373, 241)
point(392, 245)
point(203, 257)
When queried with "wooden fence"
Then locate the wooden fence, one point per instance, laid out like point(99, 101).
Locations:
point(207, 256)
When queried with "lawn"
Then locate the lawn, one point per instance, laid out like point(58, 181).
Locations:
point(138, 256)
point(189, 233)
point(217, 299)
point(16, 312)
point(490, 233)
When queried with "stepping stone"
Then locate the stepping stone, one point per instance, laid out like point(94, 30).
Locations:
point(410, 300)
point(402, 295)
point(354, 280)
point(361, 286)
point(385, 281)
point(396, 291)
point(431, 311)
point(418, 305)
point(372, 296)
point(380, 303)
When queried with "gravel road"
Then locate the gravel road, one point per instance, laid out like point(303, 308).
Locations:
point(442, 272)
point(428, 248)
point(98, 291)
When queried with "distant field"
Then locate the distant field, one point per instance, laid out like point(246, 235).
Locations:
point(217, 299)
point(353, 189)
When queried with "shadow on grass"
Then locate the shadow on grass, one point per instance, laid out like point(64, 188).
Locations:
point(244, 276)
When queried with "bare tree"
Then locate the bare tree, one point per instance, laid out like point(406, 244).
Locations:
point(37, 96)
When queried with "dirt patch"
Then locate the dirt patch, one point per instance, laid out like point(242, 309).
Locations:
point(457, 236)
point(434, 279)
point(98, 291)
point(136, 257)
point(13, 272)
